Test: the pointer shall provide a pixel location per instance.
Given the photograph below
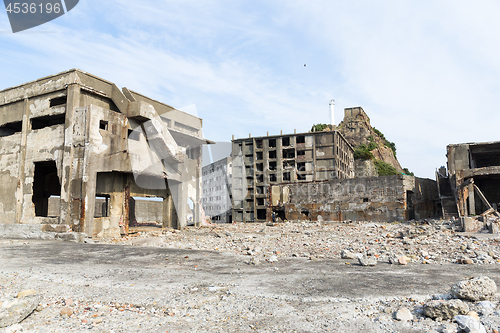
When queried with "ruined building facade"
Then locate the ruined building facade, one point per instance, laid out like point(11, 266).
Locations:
point(474, 179)
point(74, 137)
point(263, 161)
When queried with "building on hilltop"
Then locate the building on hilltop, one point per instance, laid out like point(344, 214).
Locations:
point(216, 195)
point(74, 138)
point(358, 131)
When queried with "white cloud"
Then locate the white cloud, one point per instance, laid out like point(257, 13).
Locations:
point(425, 72)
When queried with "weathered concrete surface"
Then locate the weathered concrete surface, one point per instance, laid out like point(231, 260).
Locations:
point(27, 231)
point(296, 278)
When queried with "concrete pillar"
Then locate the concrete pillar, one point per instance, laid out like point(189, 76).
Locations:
point(22, 163)
point(168, 212)
point(68, 207)
point(472, 201)
point(88, 204)
point(116, 213)
point(180, 197)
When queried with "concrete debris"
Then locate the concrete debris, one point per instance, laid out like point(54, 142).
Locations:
point(404, 314)
point(15, 310)
point(475, 289)
point(346, 254)
point(25, 293)
point(469, 324)
point(445, 309)
point(434, 242)
point(365, 260)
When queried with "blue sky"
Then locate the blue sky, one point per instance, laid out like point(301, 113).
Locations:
point(426, 72)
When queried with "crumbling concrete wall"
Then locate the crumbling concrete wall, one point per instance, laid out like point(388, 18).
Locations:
point(366, 199)
point(146, 211)
point(365, 168)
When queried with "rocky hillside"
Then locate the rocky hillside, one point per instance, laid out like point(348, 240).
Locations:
point(369, 143)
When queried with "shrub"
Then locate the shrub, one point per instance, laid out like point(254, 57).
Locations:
point(385, 169)
point(363, 152)
point(372, 145)
point(319, 127)
point(388, 143)
point(408, 172)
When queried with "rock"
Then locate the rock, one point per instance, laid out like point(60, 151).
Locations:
point(254, 261)
point(445, 309)
point(66, 311)
point(465, 261)
point(399, 260)
point(364, 260)
point(346, 254)
point(273, 258)
point(448, 328)
point(486, 307)
point(404, 314)
point(102, 308)
point(476, 289)
point(15, 310)
point(470, 324)
point(473, 314)
point(68, 302)
point(403, 260)
point(25, 293)
point(484, 257)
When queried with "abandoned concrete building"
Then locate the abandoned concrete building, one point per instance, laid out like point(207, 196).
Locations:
point(471, 185)
point(70, 138)
point(261, 161)
point(311, 176)
point(216, 196)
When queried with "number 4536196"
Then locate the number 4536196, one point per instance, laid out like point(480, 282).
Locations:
point(33, 8)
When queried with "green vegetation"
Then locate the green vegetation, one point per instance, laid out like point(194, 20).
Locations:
point(362, 152)
point(384, 169)
point(388, 143)
point(319, 127)
point(408, 172)
point(372, 145)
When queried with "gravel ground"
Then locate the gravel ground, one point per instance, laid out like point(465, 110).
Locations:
point(172, 290)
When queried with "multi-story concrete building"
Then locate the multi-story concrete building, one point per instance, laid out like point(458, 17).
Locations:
point(74, 137)
point(263, 161)
point(216, 185)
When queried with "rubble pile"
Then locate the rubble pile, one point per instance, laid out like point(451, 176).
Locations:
point(421, 242)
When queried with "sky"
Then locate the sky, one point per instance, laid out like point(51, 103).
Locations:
point(427, 73)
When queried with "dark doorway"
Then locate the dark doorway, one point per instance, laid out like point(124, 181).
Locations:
point(410, 204)
point(45, 183)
